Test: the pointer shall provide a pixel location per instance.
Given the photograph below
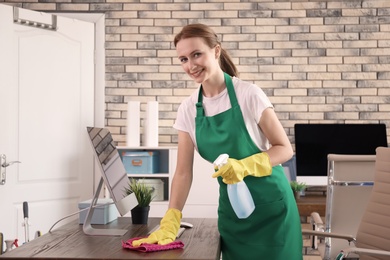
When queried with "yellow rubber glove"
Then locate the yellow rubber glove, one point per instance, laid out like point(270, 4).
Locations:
point(234, 171)
point(169, 226)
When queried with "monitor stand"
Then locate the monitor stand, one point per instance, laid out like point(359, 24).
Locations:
point(87, 227)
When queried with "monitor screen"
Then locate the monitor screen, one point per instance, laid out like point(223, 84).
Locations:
point(114, 176)
point(112, 167)
point(313, 143)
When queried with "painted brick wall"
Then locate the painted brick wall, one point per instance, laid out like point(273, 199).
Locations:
point(318, 61)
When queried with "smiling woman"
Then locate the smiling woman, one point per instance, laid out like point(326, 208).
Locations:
point(197, 53)
point(229, 115)
point(197, 59)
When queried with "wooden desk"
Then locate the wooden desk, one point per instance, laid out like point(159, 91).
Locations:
point(69, 242)
point(311, 203)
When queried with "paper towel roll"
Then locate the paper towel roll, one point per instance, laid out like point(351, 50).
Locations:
point(151, 124)
point(133, 124)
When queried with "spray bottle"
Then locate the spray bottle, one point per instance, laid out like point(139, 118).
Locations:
point(239, 195)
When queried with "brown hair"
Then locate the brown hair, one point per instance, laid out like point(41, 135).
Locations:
point(211, 39)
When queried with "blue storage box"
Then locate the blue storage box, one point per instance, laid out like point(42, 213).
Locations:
point(102, 213)
point(141, 161)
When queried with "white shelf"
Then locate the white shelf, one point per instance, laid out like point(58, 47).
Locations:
point(164, 172)
point(203, 198)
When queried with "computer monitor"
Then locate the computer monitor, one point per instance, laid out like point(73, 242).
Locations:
point(113, 176)
point(313, 143)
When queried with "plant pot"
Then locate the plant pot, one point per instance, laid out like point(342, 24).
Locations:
point(297, 195)
point(140, 215)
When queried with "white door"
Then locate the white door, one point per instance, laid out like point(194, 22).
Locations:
point(46, 103)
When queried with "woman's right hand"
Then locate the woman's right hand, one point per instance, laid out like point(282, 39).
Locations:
point(169, 226)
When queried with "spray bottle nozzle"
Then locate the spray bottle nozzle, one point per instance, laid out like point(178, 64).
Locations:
point(220, 161)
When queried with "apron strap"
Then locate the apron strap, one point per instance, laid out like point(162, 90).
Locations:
point(231, 92)
point(199, 106)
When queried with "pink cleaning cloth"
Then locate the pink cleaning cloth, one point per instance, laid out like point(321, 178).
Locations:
point(145, 247)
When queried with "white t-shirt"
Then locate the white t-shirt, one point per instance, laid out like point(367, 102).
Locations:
point(251, 99)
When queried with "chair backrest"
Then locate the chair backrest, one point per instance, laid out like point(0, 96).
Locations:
point(374, 229)
point(290, 169)
point(350, 182)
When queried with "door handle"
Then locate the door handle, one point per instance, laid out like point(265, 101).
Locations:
point(3, 166)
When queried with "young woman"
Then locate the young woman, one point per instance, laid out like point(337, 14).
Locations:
point(228, 115)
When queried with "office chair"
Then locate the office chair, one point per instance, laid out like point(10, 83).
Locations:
point(372, 241)
point(350, 180)
point(290, 169)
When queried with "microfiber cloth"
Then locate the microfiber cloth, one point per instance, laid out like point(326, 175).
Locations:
point(145, 247)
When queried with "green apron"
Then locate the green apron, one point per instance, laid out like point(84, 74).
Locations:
point(273, 230)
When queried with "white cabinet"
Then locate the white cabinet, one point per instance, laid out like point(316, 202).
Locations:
point(203, 198)
point(202, 201)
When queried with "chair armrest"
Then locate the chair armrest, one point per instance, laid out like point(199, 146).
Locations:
point(318, 225)
point(316, 218)
point(347, 237)
point(317, 221)
point(363, 251)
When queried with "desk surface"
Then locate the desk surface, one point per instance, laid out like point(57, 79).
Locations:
point(69, 242)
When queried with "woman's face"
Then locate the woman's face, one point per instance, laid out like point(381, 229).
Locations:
point(198, 60)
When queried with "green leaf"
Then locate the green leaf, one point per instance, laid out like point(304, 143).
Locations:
point(143, 193)
point(297, 186)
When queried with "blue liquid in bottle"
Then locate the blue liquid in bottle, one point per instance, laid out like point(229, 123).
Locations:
point(239, 195)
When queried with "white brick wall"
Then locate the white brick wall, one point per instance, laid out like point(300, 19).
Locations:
point(323, 61)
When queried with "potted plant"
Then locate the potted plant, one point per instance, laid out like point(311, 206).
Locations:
point(298, 188)
point(144, 195)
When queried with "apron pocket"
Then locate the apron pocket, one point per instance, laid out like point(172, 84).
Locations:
point(266, 225)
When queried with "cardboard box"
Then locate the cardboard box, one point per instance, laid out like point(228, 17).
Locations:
point(158, 188)
point(141, 161)
point(101, 215)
